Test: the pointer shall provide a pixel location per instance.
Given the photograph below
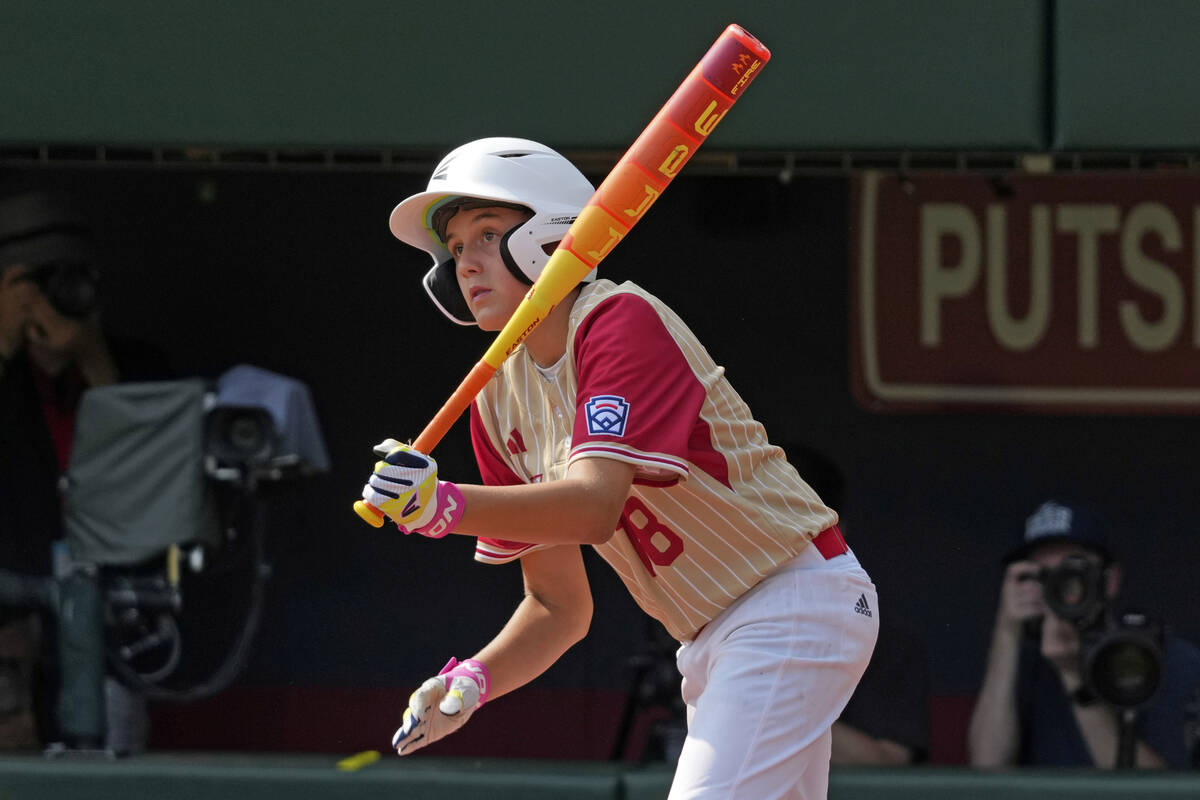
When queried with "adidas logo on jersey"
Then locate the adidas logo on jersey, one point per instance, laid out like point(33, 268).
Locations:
point(861, 606)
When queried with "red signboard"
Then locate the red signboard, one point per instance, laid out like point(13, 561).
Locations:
point(1049, 293)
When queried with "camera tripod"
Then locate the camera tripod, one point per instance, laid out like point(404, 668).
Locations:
point(654, 688)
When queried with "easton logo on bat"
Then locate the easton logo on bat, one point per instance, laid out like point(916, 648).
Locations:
point(517, 342)
point(528, 328)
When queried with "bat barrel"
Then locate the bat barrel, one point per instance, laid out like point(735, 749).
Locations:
point(654, 159)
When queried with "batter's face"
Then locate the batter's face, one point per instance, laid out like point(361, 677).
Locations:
point(490, 289)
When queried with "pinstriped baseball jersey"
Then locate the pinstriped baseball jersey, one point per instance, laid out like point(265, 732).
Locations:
point(714, 506)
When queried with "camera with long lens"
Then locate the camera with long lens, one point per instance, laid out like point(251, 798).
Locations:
point(1121, 654)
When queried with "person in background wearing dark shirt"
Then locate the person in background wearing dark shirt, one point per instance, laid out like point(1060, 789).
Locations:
point(52, 349)
point(1034, 708)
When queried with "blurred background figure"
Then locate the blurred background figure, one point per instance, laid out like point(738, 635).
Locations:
point(1070, 680)
point(52, 349)
point(887, 721)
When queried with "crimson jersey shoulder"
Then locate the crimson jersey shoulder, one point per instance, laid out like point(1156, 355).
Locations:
point(617, 309)
point(639, 397)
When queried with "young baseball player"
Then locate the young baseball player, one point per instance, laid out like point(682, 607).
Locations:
point(611, 426)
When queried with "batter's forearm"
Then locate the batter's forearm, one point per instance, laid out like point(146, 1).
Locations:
point(532, 640)
point(582, 508)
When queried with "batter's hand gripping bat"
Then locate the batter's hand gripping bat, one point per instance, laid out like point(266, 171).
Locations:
point(652, 161)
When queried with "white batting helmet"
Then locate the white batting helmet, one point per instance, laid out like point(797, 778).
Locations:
point(509, 172)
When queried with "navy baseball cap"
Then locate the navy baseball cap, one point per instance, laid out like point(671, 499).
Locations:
point(42, 226)
point(1059, 521)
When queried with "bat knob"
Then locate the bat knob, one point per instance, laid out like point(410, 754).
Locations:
point(370, 514)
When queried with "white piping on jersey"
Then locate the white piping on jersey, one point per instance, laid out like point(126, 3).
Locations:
point(746, 520)
point(495, 555)
point(618, 452)
point(714, 416)
point(684, 509)
point(767, 508)
point(654, 601)
point(777, 482)
point(624, 570)
point(663, 590)
point(718, 585)
point(698, 496)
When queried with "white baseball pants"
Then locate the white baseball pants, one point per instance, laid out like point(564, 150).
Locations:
point(765, 681)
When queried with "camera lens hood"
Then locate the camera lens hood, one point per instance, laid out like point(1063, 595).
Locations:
point(1123, 665)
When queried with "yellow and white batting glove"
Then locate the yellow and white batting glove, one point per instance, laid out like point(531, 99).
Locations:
point(405, 486)
point(442, 705)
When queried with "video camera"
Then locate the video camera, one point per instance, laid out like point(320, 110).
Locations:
point(164, 477)
point(1121, 654)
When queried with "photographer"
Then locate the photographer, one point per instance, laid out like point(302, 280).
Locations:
point(1037, 706)
point(52, 349)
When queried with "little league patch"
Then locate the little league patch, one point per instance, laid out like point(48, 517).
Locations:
point(606, 415)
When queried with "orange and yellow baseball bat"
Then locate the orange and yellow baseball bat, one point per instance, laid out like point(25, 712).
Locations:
point(639, 178)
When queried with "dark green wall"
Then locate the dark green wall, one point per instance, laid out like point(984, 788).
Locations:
point(1126, 74)
point(920, 74)
point(845, 74)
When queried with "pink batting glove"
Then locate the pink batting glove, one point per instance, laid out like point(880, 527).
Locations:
point(442, 705)
point(450, 505)
point(473, 670)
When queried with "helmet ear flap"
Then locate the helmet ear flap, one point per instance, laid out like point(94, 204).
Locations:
point(442, 286)
point(524, 248)
point(510, 261)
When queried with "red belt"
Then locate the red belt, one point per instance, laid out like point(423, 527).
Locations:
point(829, 543)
